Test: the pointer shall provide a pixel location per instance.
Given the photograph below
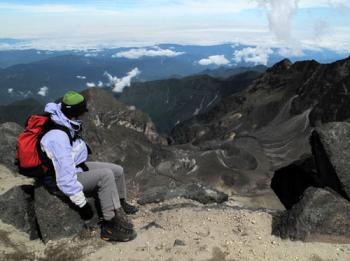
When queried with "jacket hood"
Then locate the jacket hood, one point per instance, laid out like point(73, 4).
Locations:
point(57, 115)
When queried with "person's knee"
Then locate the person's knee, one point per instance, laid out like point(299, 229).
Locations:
point(108, 175)
point(118, 170)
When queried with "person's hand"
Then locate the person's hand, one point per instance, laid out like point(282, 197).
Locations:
point(86, 212)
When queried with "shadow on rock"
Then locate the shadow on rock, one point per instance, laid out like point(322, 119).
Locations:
point(315, 191)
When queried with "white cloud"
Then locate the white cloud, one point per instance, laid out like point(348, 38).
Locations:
point(214, 59)
point(141, 52)
point(280, 15)
point(43, 91)
point(100, 84)
point(257, 55)
point(90, 84)
point(118, 84)
point(290, 51)
point(81, 77)
point(10, 90)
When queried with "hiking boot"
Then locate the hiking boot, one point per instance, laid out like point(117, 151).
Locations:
point(129, 209)
point(112, 231)
point(121, 219)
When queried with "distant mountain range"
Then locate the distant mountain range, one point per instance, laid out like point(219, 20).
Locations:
point(189, 53)
point(26, 72)
point(225, 72)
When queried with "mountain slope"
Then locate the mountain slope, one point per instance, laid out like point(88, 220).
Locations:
point(19, 111)
point(169, 102)
point(277, 110)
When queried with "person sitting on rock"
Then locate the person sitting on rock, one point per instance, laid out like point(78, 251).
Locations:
point(74, 175)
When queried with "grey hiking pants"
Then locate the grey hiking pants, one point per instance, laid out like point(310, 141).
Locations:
point(109, 182)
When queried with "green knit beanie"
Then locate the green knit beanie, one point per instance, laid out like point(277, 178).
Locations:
point(72, 98)
point(73, 104)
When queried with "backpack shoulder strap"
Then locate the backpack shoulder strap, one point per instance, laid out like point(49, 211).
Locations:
point(50, 125)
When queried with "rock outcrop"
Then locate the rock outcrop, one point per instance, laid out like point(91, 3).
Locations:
point(8, 139)
point(331, 144)
point(315, 191)
point(321, 215)
point(17, 209)
point(57, 217)
point(108, 113)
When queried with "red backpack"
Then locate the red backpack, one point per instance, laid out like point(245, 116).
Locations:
point(30, 159)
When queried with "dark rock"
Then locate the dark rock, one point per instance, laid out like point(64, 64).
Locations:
point(330, 145)
point(321, 215)
point(17, 209)
point(196, 192)
point(57, 217)
point(179, 242)
point(106, 112)
point(289, 183)
point(281, 66)
point(8, 139)
point(152, 224)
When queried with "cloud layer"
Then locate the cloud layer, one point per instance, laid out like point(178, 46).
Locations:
point(92, 24)
point(254, 55)
point(215, 60)
point(142, 52)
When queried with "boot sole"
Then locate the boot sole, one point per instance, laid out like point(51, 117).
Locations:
point(109, 239)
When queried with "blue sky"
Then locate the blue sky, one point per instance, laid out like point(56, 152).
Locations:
point(81, 24)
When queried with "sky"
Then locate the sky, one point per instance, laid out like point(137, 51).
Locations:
point(64, 24)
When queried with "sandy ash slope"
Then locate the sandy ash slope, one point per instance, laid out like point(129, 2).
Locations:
point(187, 231)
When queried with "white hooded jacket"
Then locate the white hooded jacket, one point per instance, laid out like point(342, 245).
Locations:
point(65, 157)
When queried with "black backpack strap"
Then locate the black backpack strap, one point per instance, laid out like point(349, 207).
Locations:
point(50, 125)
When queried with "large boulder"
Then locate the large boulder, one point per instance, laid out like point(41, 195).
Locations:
point(202, 194)
point(17, 209)
point(106, 112)
point(330, 145)
point(57, 217)
point(8, 139)
point(321, 215)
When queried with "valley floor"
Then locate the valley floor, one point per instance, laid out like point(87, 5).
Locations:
point(179, 230)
